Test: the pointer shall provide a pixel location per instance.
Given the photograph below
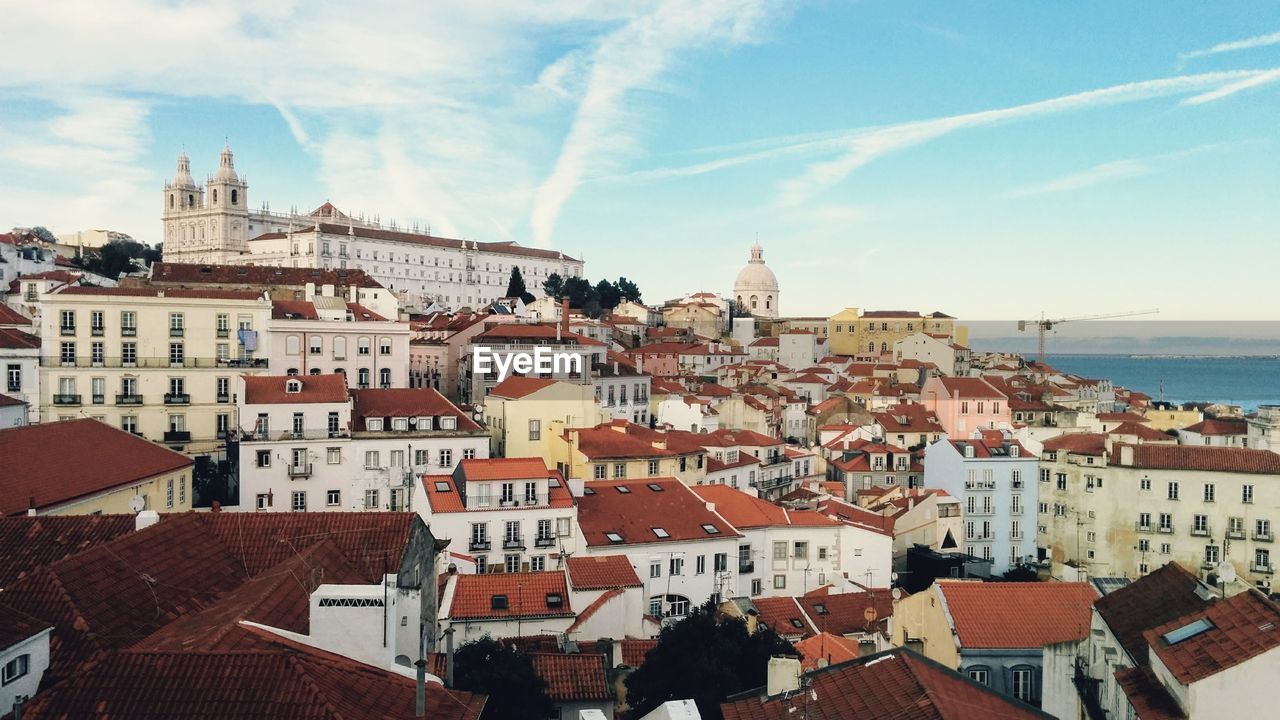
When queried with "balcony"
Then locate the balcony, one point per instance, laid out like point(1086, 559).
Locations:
point(479, 545)
point(129, 399)
point(99, 399)
point(746, 566)
point(68, 330)
point(176, 332)
point(154, 362)
point(544, 542)
point(177, 436)
point(128, 332)
point(1264, 537)
point(1016, 484)
point(224, 398)
point(1015, 535)
point(97, 331)
point(278, 435)
point(177, 399)
point(1235, 534)
point(513, 544)
point(1264, 569)
point(300, 470)
point(224, 333)
point(66, 399)
point(1200, 532)
point(1165, 529)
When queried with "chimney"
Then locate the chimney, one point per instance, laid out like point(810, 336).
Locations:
point(784, 675)
point(564, 317)
point(639, 363)
point(145, 519)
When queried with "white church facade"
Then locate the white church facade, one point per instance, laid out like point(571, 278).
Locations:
point(756, 287)
point(214, 225)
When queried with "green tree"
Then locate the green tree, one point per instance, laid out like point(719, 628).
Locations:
point(579, 291)
point(608, 294)
point(553, 286)
point(629, 290)
point(506, 675)
point(706, 659)
point(516, 288)
point(43, 233)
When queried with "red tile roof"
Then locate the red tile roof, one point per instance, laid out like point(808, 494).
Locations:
point(604, 443)
point(893, 685)
point(745, 511)
point(634, 515)
point(9, 316)
point(589, 611)
point(1200, 458)
point(1243, 627)
point(48, 464)
point(573, 678)
point(518, 386)
point(970, 387)
point(784, 616)
point(443, 496)
point(599, 572)
point(293, 310)
point(1013, 615)
point(504, 469)
point(859, 517)
point(527, 596)
point(833, 649)
point(17, 626)
point(1141, 431)
point(282, 679)
point(1148, 696)
point(257, 275)
point(15, 339)
point(1079, 443)
point(1213, 426)
point(405, 402)
point(532, 331)
point(1167, 593)
point(634, 651)
point(31, 541)
point(847, 613)
point(270, 389)
point(162, 292)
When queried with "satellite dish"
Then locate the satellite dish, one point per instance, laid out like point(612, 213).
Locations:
point(1226, 572)
point(893, 577)
point(137, 503)
point(869, 614)
point(897, 594)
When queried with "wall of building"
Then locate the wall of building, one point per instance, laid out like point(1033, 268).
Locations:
point(156, 490)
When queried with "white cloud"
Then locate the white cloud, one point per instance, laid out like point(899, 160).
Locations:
point(1258, 80)
point(1256, 41)
point(1104, 172)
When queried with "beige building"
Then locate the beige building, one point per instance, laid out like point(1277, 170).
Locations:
point(155, 362)
point(853, 332)
point(1124, 509)
point(523, 414)
point(84, 467)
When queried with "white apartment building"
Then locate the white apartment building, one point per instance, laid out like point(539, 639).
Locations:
point(622, 391)
point(502, 341)
point(20, 362)
point(18, 258)
point(682, 550)
point(306, 444)
point(214, 224)
point(1123, 510)
point(157, 362)
point(1264, 428)
point(790, 552)
point(325, 334)
point(501, 514)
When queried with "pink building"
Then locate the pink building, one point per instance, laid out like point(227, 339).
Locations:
point(965, 404)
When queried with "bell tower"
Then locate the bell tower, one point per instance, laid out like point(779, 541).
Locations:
point(183, 201)
point(227, 196)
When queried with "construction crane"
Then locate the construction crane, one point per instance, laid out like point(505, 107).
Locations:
point(1044, 324)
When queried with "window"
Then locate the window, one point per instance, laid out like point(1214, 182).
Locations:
point(801, 550)
point(1173, 490)
point(757, 586)
point(598, 472)
point(1166, 522)
point(316, 346)
point(68, 322)
point(653, 468)
point(129, 354)
point(384, 346)
point(535, 429)
point(1262, 528)
point(362, 378)
point(14, 381)
point(168, 493)
point(68, 353)
point(1246, 493)
point(371, 460)
point(655, 569)
point(299, 501)
point(1021, 679)
point(1144, 484)
point(362, 346)
point(1211, 554)
point(177, 324)
point(396, 499)
point(1062, 481)
point(511, 563)
point(264, 458)
point(619, 470)
point(446, 458)
point(538, 563)
point(1144, 521)
point(16, 668)
point(1262, 559)
point(370, 499)
point(562, 527)
point(1200, 525)
point(333, 498)
point(128, 323)
point(384, 378)
point(177, 354)
point(780, 551)
point(779, 582)
point(1210, 491)
point(700, 565)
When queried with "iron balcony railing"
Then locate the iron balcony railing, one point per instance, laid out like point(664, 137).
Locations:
point(66, 399)
point(87, 361)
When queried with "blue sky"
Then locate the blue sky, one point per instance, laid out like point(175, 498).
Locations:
point(988, 159)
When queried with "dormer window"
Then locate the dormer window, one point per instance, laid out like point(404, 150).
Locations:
point(968, 451)
point(448, 422)
point(424, 422)
point(373, 424)
point(400, 424)
point(293, 386)
point(1013, 451)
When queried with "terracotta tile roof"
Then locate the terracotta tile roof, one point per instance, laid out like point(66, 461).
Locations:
point(891, 685)
point(1212, 426)
point(1200, 458)
point(825, 646)
point(604, 443)
point(634, 651)
point(598, 572)
point(518, 386)
point(9, 316)
point(1079, 443)
point(505, 247)
point(999, 614)
point(6, 401)
point(970, 387)
point(528, 595)
point(14, 339)
point(443, 496)
point(17, 626)
point(257, 275)
point(162, 292)
point(908, 418)
point(784, 615)
point(725, 437)
point(573, 678)
point(1140, 431)
point(633, 515)
point(1147, 695)
point(745, 511)
point(856, 516)
point(744, 459)
point(34, 541)
point(293, 310)
point(1241, 627)
point(530, 331)
point(270, 389)
point(406, 403)
point(890, 314)
point(846, 613)
point(282, 679)
point(504, 469)
point(984, 449)
point(1153, 599)
point(45, 465)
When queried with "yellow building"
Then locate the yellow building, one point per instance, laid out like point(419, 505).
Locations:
point(1172, 418)
point(920, 623)
point(853, 331)
point(85, 467)
point(157, 362)
point(620, 449)
point(523, 414)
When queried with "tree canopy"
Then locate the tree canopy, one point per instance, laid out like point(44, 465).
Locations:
point(704, 658)
point(116, 257)
point(591, 299)
point(516, 286)
point(506, 675)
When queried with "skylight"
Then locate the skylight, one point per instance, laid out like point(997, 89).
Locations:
point(711, 529)
point(655, 487)
point(442, 486)
point(624, 490)
point(661, 533)
point(553, 482)
point(1188, 631)
point(588, 491)
point(796, 622)
point(820, 608)
point(613, 537)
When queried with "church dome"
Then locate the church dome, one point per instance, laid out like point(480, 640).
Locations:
point(226, 167)
point(757, 287)
point(183, 177)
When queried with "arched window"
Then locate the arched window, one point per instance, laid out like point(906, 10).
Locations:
point(884, 347)
point(191, 200)
point(235, 196)
point(384, 346)
point(315, 371)
point(871, 347)
point(215, 196)
point(768, 302)
point(384, 377)
point(754, 302)
point(980, 674)
point(668, 606)
point(363, 346)
point(339, 348)
point(341, 371)
point(292, 345)
point(291, 371)
point(363, 378)
point(170, 201)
